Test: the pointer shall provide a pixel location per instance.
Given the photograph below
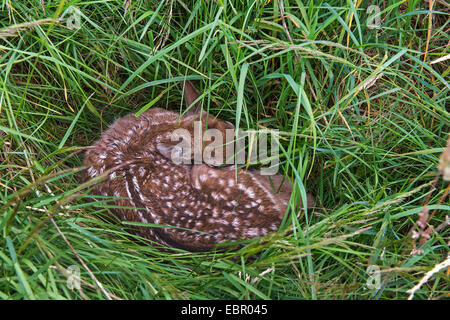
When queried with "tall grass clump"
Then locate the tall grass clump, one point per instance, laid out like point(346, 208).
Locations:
point(364, 98)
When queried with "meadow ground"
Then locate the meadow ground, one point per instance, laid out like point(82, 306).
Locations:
point(363, 90)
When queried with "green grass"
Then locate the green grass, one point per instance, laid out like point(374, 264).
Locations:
point(368, 150)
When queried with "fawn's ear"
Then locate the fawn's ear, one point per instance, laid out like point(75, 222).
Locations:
point(190, 95)
point(177, 152)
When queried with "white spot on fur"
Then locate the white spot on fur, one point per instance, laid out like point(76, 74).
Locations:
point(136, 184)
point(213, 174)
point(252, 232)
point(92, 172)
point(250, 192)
point(127, 188)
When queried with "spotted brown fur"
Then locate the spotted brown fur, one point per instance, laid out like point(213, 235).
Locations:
point(203, 205)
